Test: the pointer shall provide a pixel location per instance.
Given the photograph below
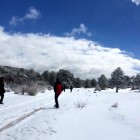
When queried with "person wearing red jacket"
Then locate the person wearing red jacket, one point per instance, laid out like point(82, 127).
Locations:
point(58, 88)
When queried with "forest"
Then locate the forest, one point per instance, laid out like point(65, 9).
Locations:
point(29, 81)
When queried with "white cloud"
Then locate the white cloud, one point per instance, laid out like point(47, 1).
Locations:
point(81, 30)
point(84, 58)
point(137, 2)
point(32, 14)
point(13, 21)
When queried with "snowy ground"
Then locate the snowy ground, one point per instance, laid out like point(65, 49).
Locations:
point(34, 118)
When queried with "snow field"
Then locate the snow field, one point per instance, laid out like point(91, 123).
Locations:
point(97, 120)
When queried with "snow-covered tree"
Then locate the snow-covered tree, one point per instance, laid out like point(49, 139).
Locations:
point(66, 77)
point(110, 84)
point(77, 82)
point(117, 78)
point(52, 78)
point(93, 83)
point(46, 76)
point(83, 83)
point(97, 88)
point(32, 74)
point(103, 82)
point(137, 81)
point(88, 83)
point(127, 81)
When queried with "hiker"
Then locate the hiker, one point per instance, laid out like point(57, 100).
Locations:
point(58, 88)
point(2, 90)
point(64, 87)
point(71, 87)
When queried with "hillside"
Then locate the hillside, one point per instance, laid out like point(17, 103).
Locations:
point(20, 72)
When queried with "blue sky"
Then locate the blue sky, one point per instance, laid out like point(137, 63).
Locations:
point(111, 23)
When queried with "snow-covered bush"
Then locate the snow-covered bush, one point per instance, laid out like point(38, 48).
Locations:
point(115, 105)
point(35, 87)
point(41, 86)
point(32, 90)
point(20, 89)
point(81, 104)
point(97, 88)
point(49, 87)
point(17, 90)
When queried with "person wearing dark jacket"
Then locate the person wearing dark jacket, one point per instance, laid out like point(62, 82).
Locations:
point(64, 87)
point(58, 88)
point(71, 87)
point(2, 90)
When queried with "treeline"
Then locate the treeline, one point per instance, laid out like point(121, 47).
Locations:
point(17, 77)
point(118, 80)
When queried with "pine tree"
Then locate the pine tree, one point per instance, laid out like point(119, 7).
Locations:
point(102, 81)
point(137, 81)
point(66, 77)
point(127, 81)
point(117, 78)
point(46, 76)
point(88, 83)
point(77, 83)
point(93, 83)
point(52, 78)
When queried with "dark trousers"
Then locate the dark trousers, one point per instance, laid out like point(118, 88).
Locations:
point(56, 100)
point(2, 96)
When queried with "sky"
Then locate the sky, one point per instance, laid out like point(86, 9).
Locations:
point(87, 37)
